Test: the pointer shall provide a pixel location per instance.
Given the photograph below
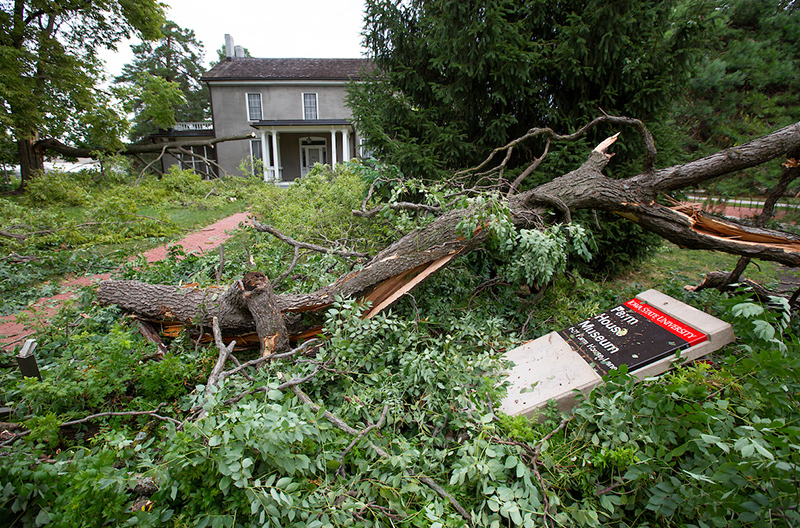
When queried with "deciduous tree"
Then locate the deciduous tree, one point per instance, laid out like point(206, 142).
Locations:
point(50, 68)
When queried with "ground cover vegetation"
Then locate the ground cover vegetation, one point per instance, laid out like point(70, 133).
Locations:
point(398, 424)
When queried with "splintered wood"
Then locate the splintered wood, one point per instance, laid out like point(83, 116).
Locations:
point(716, 227)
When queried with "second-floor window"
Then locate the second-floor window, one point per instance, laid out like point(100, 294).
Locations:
point(310, 106)
point(254, 107)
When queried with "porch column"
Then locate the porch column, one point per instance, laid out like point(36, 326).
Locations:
point(277, 176)
point(333, 148)
point(345, 145)
point(264, 155)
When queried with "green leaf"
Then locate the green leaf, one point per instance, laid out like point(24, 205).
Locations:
point(43, 517)
point(747, 310)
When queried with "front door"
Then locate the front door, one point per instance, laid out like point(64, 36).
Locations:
point(312, 150)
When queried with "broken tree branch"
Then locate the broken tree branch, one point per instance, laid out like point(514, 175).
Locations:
point(217, 374)
point(361, 435)
point(264, 228)
point(405, 264)
point(101, 415)
point(130, 150)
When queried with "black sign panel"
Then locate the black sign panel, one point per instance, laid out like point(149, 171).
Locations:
point(633, 334)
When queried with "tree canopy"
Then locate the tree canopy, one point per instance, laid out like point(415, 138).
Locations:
point(177, 57)
point(456, 79)
point(49, 68)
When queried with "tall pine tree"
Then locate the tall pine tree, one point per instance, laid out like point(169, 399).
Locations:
point(177, 58)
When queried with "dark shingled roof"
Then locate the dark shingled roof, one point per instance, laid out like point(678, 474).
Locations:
point(254, 69)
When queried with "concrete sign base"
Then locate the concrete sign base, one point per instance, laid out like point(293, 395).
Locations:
point(645, 334)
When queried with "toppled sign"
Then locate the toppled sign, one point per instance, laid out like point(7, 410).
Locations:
point(648, 334)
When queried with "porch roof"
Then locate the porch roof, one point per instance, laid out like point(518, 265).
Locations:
point(302, 123)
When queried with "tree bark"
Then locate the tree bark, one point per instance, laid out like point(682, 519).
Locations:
point(31, 160)
point(269, 322)
point(409, 261)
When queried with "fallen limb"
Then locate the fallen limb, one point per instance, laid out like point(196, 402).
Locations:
point(101, 415)
point(533, 454)
point(304, 245)
point(405, 264)
point(360, 435)
point(51, 144)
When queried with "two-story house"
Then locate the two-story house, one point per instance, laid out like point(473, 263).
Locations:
point(295, 106)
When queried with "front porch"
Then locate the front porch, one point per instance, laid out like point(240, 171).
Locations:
point(288, 149)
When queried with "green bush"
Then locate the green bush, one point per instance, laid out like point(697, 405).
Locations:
point(318, 208)
point(620, 244)
point(57, 187)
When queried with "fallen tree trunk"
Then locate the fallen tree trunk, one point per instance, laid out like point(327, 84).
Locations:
point(409, 261)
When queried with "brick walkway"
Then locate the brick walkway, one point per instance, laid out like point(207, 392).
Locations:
point(13, 334)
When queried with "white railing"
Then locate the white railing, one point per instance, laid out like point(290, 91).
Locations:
point(193, 125)
point(271, 175)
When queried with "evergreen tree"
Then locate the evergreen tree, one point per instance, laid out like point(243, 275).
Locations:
point(221, 56)
point(749, 79)
point(747, 83)
point(177, 58)
point(455, 78)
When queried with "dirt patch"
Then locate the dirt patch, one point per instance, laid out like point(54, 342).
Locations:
point(788, 280)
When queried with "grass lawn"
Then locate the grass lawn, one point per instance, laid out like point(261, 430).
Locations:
point(688, 267)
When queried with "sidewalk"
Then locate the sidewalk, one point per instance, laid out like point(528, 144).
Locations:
point(739, 207)
point(13, 334)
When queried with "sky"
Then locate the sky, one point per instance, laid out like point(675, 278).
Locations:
point(267, 28)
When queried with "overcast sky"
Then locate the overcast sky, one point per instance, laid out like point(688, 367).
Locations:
point(267, 28)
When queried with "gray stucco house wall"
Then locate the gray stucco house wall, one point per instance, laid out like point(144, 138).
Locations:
point(295, 107)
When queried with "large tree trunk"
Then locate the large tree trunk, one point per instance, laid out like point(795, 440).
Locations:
point(31, 160)
point(410, 260)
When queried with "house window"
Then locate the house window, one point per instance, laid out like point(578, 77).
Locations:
point(257, 156)
point(254, 106)
point(309, 106)
point(364, 150)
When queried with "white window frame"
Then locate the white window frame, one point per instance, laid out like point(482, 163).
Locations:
point(316, 105)
point(248, 108)
point(256, 143)
point(364, 152)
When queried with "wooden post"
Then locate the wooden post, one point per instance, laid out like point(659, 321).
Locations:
point(27, 361)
